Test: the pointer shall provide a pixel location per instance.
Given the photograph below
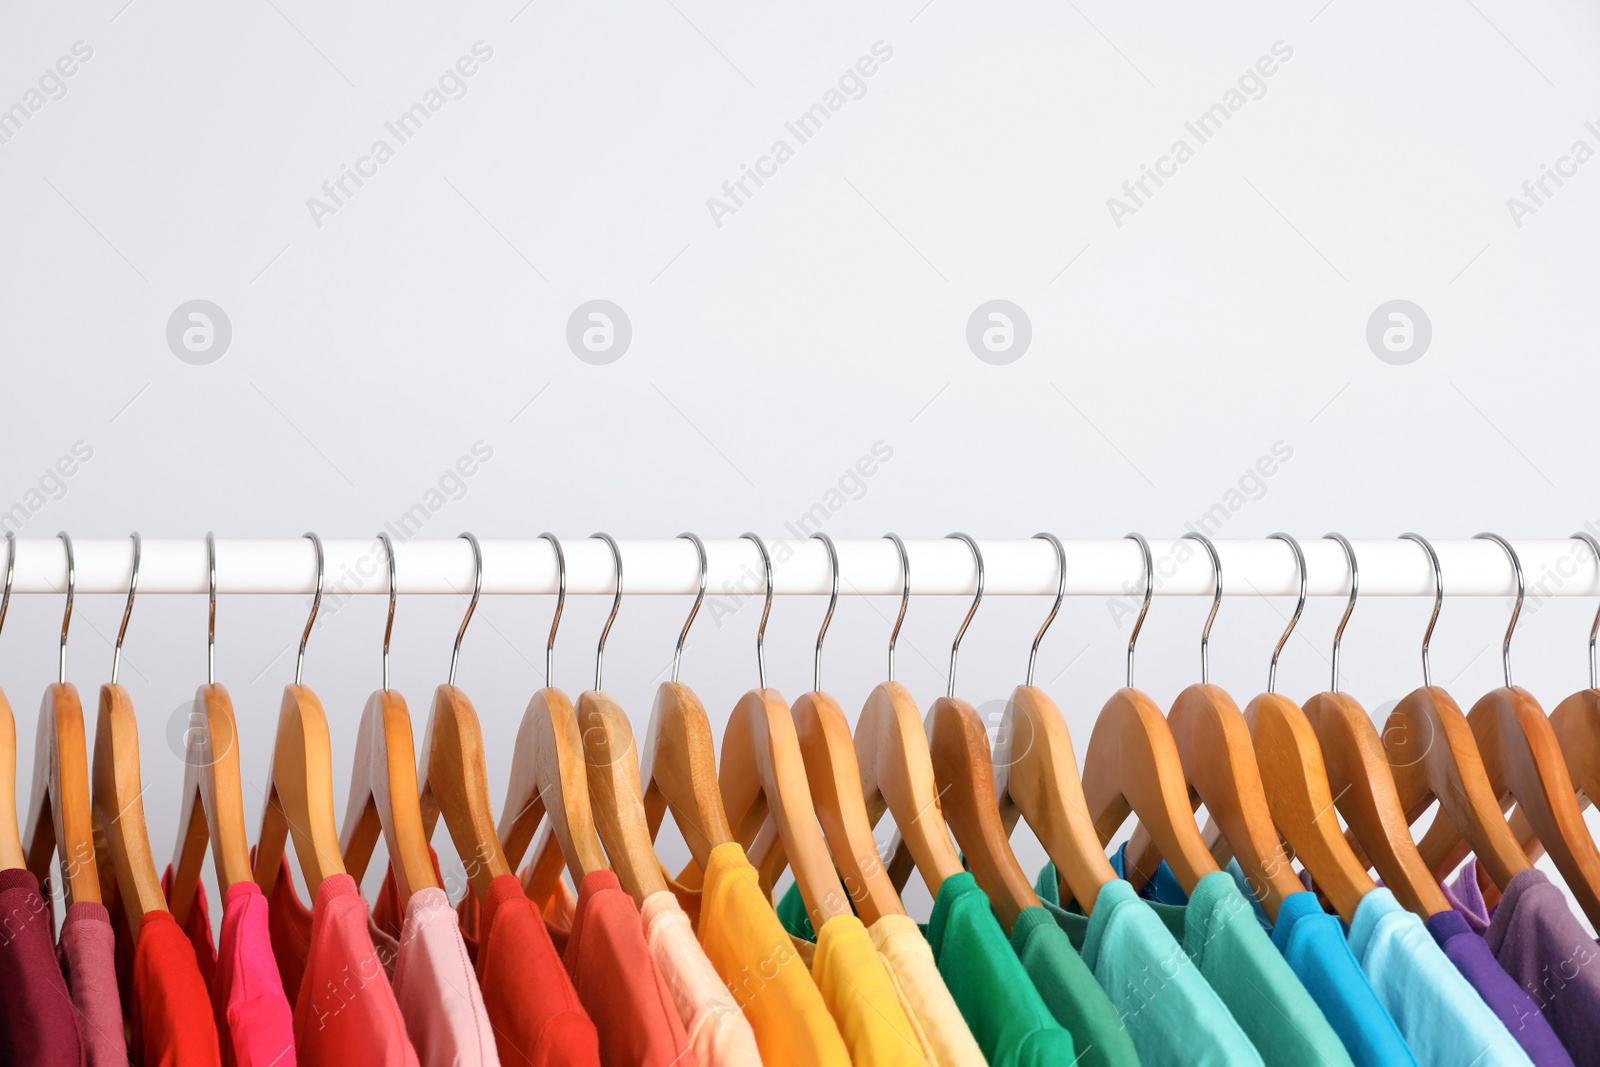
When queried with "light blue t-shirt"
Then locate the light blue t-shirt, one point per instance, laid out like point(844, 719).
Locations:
point(1442, 1018)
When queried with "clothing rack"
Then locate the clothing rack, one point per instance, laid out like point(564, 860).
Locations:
point(868, 567)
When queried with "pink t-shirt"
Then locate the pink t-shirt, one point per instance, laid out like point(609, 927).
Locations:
point(87, 950)
point(719, 1035)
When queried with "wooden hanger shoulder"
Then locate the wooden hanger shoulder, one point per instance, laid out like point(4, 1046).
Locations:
point(455, 784)
point(299, 800)
point(679, 769)
point(384, 798)
point(1364, 793)
point(616, 797)
point(59, 819)
point(830, 765)
point(897, 776)
point(118, 806)
point(11, 854)
point(959, 750)
point(212, 810)
point(1295, 784)
point(1036, 777)
point(548, 778)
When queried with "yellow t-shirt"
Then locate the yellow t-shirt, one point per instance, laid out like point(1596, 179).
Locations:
point(858, 989)
point(923, 995)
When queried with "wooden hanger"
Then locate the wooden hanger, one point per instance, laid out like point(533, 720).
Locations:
point(383, 784)
point(299, 800)
point(1295, 781)
point(548, 764)
point(11, 855)
point(60, 820)
point(1363, 787)
point(1219, 763)
point(1036, 774)
point(455, 780)
point(1434, 757)
point(763, 775)
point(679, 766)
point(1523, 759)
point(118, 803)
point(835, 779)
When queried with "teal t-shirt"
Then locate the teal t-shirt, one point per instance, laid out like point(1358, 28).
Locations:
point(1070, 991)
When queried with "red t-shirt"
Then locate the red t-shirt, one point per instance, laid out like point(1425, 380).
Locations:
point(164, 998)
point(537, 1016)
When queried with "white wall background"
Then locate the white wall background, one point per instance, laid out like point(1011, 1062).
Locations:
point(828, 313)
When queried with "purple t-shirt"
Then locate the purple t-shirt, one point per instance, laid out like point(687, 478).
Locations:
point(38, 1026)
point(1515, 1008)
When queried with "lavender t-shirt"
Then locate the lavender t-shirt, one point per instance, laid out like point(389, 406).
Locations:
point(1541, 944)
point(1516, 1009)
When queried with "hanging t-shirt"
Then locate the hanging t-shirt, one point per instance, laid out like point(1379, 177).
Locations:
point(255, 1025)
point(1070, 991)
point(1313, 943)
point(946, 1039)
point(87, 951)
point(858, 990)
point(1172, 1014)
point(38, 1025)
point(1509, 1001)
point(165, 1003)
point(1442, 1017)
point(1162, 887)
point(719, 1034)
point(537, 1017)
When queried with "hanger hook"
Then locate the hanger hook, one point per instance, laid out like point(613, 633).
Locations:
point(1149, 591)
point(616, 603)
point(316, 605)
point(1216, 602)
point(66, 617)
point(472, 605)
point(1061, 592)
point(833, 601)
point(1594, 627)
point(1516, 609)
point(905, 595)
point(1438, 600)
point(955, 646)
point(761, 630)
point(1350, 606)
point(561, 603)
point(1299, 607)
point(127, 611)
point(388, 626)
point(11, 572)
point(699, 597)
point(211, 608)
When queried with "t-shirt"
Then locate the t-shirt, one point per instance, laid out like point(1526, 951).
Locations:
point(87, 950)
point(170, 1008)
point(1070, 991)
point(856, 985)
point(344, 1008)
point(719, 1034)
point(946, 1039)
point(1011, 1023)
point(1162, 887)
point(255, 1025)
point(1442, 1017)
point(1173, 1015)
point(537, 1017)
point(1509, 1001)
point(1541, 944)
point(38, 1025)
point(1313, 943)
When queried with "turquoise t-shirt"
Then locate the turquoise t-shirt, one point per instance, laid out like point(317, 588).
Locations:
point(1443, 1019)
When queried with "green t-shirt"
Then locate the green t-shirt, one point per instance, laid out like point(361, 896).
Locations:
point(1070, 991)
point(1219, 932)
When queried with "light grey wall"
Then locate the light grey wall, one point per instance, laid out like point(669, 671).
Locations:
point(1172, 345)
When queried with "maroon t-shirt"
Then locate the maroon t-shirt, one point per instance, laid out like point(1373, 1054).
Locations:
point(38, 1027)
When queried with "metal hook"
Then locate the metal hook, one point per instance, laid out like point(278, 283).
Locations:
point(1594, 627)
point(561, 603)
point(1438, 600)
point(66, 618)
point(211, 608)
point(1216, 602)
point(905, 596)
point(1350, 606)
point(1149, 591)
point(11, 572)
point(833, 601)
point(472, 605)
point(1061, 592)
point(388, 626)
point(133, 586)
point(316, 605)
point(761, 630)
point(955, 646)
point(1516, 609)
point(1299, 607)
point(616, 603)
point(699, 597)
